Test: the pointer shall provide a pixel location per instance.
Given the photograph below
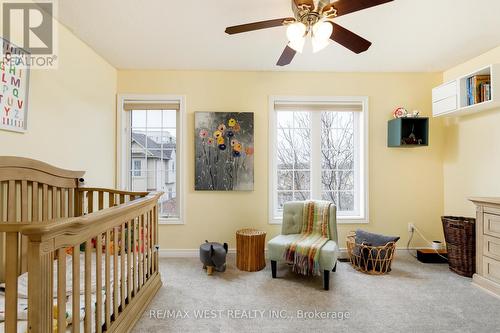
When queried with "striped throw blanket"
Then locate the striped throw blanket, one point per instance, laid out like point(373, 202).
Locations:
point(304, 252)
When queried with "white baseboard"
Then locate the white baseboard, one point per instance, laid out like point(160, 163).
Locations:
point(184, 253)
point(194, 253)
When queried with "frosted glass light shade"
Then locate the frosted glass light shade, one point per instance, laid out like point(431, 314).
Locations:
point(322, 31)
point(296, 34)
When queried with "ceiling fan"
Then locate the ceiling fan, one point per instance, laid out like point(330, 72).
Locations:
point(315, 17)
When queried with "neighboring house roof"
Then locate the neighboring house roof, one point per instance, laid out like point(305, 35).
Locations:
point(153, 146)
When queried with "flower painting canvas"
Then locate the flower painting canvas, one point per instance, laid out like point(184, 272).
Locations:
point(224, 151)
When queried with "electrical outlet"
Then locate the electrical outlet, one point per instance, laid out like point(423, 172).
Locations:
point(411, 227)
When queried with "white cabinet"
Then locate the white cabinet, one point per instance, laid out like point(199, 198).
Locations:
point(450, 99)
point(445, 98)
point(487, 244)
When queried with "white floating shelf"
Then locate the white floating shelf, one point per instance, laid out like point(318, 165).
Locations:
point(450, 98)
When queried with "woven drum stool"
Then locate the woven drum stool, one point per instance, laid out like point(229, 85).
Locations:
point(250, 245)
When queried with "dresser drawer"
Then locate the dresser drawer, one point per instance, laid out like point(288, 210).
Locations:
point(491, 247)
point(491, 269)
point(491, 225)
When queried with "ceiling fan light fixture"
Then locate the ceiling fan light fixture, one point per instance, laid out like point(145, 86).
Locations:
point(321, 33)
point(296, 34)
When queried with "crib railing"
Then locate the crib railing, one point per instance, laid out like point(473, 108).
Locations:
point(94, 199)
point(115, 233)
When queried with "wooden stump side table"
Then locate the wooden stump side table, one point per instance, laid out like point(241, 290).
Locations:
point(250, 244)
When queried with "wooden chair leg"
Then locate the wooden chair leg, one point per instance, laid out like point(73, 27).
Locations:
point(210, 270)
point(273, 268)
point(326, 280)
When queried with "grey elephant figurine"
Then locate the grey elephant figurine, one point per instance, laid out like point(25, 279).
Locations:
point(213, 256)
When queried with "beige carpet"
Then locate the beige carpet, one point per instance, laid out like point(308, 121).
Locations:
point(414, 297)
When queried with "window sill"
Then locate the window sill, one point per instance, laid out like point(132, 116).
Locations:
point(164, 221)
point(340, 220)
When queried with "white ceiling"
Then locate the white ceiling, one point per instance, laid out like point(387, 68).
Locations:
point(407, 35)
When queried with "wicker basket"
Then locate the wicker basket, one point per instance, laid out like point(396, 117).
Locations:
point(460, 236)
point(370, 259)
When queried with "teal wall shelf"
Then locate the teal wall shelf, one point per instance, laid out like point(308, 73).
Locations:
point(408, 132)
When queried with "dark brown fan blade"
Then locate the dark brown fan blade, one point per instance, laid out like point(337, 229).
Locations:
point(344, 7)
point(286, 57)
point(349, 39)
point(257, 25)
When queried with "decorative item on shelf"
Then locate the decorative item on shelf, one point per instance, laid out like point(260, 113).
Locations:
point(415, 114)
point(400, 112)
point(213, 256)
point(411, 139)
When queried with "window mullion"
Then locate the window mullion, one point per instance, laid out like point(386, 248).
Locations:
point(315, 155)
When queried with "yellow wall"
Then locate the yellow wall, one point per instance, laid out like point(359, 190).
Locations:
point(472, 154)
point(71, 115)
point(406, 185)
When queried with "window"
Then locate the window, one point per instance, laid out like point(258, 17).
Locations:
point(317, 151)
point(150, 150)
point(136, 168)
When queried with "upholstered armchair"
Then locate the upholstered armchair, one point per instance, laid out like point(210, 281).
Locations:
point(290, 231)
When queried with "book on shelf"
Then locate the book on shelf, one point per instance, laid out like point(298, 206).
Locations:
point(478, 89)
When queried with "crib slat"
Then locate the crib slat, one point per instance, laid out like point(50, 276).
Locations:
point(148, 227)
point(141, 251)
point(145, 255)
point(154, 239)
point(2, 208)
point(122, 198)
point(98, 274)
point(115, 273)
point(122, 267)
point(63, 202)
point(45, 202)
point(107, 305)
point(134, 259)
point(71, 202)
point(76, 289)
point(111, 199)
point(90, 203)
point(129, 261)
point(24, 200)
point(54, 202)
point(34, 202)
point(24, 217)
point(87, 325)
point(101, 200)
point(11, 261)
point(80, 202)
point(61, 289)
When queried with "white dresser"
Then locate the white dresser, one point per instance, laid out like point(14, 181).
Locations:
point(487, 244)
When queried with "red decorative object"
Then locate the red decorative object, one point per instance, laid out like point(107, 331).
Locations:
point(400, 112)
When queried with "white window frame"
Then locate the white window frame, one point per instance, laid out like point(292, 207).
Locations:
point(135, 169)
point(123, 151)
point(363, 216)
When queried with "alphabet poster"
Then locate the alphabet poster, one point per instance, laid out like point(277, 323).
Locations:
point(14, 84)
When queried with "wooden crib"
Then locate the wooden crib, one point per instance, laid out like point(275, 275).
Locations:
point(108, 236)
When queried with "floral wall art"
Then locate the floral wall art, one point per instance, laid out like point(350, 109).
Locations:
point(224, 151)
